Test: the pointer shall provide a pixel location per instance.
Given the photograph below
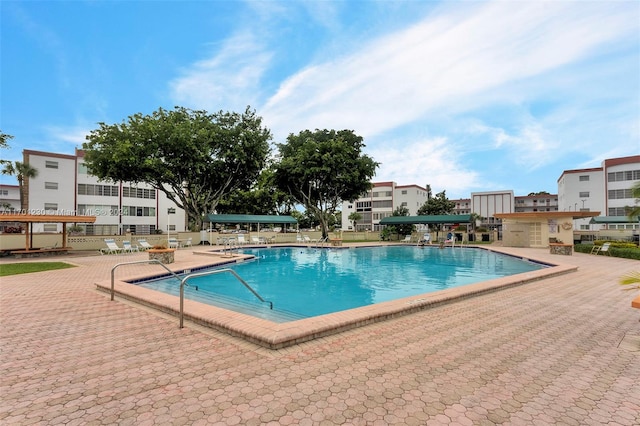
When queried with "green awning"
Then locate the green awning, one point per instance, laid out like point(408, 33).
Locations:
point(426, 219)
point(613, 220)
point(250, 218)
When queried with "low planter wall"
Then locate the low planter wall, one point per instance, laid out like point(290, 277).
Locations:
point(165, 256)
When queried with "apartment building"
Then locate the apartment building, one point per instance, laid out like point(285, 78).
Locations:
point(536, 203)
point(462, 206)
point(63, 186)
point(9, 198)
point(606, 189)
point(380, 202)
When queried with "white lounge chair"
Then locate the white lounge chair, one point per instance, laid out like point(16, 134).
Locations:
point(604, 248)
point(173, 243)
point(407, 239)
point(144, 245)
point(128, 248)
point(188, 242)
point(242, 240)
point(255, 240)
point(112, 247)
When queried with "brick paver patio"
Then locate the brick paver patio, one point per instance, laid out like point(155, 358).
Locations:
point(564, 350)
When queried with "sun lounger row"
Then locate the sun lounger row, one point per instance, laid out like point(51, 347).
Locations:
point(127, 247)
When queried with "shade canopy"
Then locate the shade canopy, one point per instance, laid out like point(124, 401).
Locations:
point(251, 218)
point(30, 219)
point(613, 220)
point(426, 219)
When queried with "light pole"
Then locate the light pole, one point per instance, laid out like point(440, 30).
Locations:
point(170, 211)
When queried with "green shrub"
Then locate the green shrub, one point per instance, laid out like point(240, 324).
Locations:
point(617, 249)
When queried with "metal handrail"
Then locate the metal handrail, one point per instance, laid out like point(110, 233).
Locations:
point(184, 280)
point(156, 261)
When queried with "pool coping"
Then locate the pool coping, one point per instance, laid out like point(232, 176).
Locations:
point(274, 335)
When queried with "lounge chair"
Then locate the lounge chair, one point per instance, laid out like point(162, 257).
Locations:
point(173, 243)
point(604, 248)
point(128, 248)
point(255, 240)
point(188, 242)
point(241, 239)
point(426, 239)
point(112, 247)
point(144, 245)
point(299, 239)
point(407, 239)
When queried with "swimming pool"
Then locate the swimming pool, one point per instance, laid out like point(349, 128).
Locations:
point(308, 282)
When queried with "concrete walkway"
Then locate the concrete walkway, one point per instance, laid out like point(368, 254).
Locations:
point(565, 350)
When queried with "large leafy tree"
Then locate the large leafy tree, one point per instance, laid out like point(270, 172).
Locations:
point(262, 198)
point(321, 169)
point(194, 157)
point(438, 204)
point(22, 171)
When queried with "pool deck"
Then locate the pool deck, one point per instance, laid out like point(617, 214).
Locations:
point(561, 350)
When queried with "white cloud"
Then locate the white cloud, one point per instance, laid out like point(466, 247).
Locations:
point(424, 162)
point(230, 79)
point(448, 62)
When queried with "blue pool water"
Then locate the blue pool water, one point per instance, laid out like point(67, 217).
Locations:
point(306, 282)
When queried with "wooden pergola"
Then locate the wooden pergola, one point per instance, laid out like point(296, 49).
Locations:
point(30, 219)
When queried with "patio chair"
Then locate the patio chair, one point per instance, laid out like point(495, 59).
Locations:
point(112, 247)
point(604, 248)
point(144, 245)
point(242, 240)
point(188, 242)
point(407, 239)
point(128, 248)
point(426, 239)
point(173, 243)
point(255, 240)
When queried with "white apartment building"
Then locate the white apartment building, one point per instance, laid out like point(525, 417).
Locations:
point(64, 187)
point(380, 202)
point(606, 189)
point(487, 204)
point(9, 198)
point(536, 203)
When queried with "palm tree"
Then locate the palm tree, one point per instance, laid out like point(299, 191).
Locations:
point(634, 211)
point(355, 217)
point(21, 171)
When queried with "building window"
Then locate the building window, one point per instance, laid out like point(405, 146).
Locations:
point(51, 164)
point(4, 192)
point(50, 227)
point(584, 178)
point(82, 169)
point(382, 204)
point(403, 204)
point(619, 194)
point(404, 192)
point(616, 211)
point(100, 190)
point(622, 176)
point(584, 194)
point(51, 185)
point(51, 206)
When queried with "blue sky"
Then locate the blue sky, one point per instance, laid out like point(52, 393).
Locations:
point(465, 96)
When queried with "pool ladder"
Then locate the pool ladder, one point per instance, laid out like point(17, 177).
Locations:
point(183, 282)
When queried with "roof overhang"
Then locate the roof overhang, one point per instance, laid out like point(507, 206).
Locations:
point(45, 218)
point(250, 218)
point(426, 219)
point(613, 220)
point(546, 215)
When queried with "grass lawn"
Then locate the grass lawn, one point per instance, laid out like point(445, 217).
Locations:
point(25, 268)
